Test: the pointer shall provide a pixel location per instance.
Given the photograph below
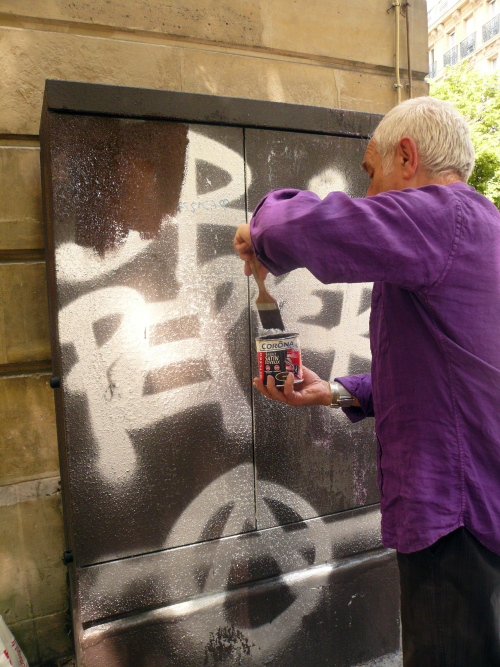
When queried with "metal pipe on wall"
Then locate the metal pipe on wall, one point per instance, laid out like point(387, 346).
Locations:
point(397, 85)
point(407, 17)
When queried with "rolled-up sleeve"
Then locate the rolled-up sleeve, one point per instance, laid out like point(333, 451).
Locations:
point(359, 386)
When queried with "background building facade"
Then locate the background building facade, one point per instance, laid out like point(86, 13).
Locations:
point(466, 30)
point(330, 54)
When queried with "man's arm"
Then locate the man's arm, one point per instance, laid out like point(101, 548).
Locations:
point(315, 391)
point(403, 237)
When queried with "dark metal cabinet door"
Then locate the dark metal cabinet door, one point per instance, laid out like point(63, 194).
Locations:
point(312, 461)
point(152, 313)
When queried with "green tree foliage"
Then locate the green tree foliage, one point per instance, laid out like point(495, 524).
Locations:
point(477, 96)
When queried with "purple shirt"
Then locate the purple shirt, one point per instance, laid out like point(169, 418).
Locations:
point(434, 255)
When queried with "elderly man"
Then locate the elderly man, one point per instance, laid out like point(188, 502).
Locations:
point(431, 244)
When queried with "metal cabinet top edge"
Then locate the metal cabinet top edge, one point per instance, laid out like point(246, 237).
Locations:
point(92, 98)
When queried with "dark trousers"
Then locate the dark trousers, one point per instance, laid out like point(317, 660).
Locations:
point(450, 604)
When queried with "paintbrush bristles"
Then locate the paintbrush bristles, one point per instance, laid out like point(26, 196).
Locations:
point(269, 312)
point(270, 316)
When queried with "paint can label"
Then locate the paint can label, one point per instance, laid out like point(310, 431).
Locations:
point(278, 355)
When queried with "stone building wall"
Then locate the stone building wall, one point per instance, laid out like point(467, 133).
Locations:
point(316, 52)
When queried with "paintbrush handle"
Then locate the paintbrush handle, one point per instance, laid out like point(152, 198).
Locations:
point(254, 265)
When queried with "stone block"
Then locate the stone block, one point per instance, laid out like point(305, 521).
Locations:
point(43, 533)
point(44, 640)
point(258, 78)
point(235, 22)
point(333, 29)
point(30, 56)
point(362, 91)
point(24, 326)
point(28, 440)
point(53, 637)
point(33, 583)
point(360, 30)
point(286, 81)
point(21, 201)
point(419, 45)
point(14, 597)
point(376, 94)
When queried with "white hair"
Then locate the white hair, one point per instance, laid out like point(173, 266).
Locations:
point(440, 132)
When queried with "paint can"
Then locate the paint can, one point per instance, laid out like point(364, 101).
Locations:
point(278, 355)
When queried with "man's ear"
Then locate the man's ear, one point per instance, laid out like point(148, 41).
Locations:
point(408, 157)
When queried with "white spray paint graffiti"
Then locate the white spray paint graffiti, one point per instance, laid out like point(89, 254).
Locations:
point(112, 375)
point(328, 180)
point(269, 636)
point(307, 548)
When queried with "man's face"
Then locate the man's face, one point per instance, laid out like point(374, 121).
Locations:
point(380, 182)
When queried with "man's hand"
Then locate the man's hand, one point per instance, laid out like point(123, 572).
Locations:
point(312, 391)
point(243, 246)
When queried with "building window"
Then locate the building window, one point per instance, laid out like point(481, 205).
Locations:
point(492, 28)
point(468, 45)
point(451, 56)
point(493, 64)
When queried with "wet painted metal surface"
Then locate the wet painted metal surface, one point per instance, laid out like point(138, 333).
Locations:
point(208, 526)
point(149, 581)
point(153, 328)
point(315, 453)
point(331, 615)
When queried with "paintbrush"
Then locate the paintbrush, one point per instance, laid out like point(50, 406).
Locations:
point(269, 312)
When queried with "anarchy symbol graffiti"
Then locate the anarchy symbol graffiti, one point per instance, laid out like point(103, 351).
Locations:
point(283, 549)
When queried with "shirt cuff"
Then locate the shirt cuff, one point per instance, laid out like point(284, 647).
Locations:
point(359, 386)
